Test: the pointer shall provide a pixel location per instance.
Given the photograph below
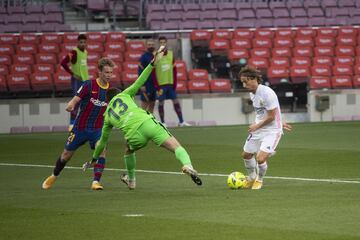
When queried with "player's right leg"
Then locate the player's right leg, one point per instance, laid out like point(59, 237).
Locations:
point(251, 146)
point(59, 166)
point(130, 162)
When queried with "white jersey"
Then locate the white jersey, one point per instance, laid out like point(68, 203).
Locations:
point(263, 100)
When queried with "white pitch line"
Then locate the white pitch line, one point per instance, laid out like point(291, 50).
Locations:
point(179, 173)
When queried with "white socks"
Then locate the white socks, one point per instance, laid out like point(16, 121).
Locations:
point(250, 165)
point(262, 170)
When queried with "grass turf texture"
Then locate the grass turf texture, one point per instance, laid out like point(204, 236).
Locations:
point(171, 206)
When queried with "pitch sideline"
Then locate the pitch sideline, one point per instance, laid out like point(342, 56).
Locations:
point(179, 173)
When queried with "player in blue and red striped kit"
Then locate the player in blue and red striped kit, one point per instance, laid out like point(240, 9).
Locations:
point(88, 123)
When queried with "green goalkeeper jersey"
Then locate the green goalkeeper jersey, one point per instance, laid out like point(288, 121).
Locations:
point(123, 113)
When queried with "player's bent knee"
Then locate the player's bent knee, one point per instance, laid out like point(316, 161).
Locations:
point(247, 155)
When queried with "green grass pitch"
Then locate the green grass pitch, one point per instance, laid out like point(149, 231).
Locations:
point(170, 206)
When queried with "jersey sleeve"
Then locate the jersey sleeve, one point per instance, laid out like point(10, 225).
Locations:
point(105, 132)
point(134, 88)
point(271, 100)
point(84, 90)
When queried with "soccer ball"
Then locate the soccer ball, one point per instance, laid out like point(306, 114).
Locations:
point(236, 180)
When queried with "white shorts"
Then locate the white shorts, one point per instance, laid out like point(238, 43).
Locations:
point(262, 141)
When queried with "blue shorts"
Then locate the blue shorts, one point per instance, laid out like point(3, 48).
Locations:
point(166, 92)
point(78, 138)
point(150, 96)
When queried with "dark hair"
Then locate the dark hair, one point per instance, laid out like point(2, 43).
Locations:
point(82, 37)
point(251, 73)
point(162, 38)
point(111, 93)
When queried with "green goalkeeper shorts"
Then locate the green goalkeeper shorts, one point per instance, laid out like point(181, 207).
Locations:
point(152, 130)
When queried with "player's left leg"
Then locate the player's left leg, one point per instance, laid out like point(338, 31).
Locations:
point(171, 94)
point(99, 166)
point(130, 162)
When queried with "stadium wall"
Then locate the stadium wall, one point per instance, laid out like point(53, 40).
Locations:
point(224, 109)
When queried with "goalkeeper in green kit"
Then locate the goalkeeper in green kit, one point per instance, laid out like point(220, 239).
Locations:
point(138, 127)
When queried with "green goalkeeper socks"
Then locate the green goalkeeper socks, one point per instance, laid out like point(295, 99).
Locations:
point(130, 163)
point(182, 156)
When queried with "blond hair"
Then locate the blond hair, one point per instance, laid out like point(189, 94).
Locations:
point(105, 62)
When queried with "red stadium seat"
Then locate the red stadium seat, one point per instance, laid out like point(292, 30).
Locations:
point(3, 85)
point(304, 42)
point(133, 56)
point(342, 70)
point(60, 69)
point(199, 86)
point(344, 60)
point(95, 37)
point(262, 43)
point(325, 41)
point(264, 33)
point(115, 47)
point(198, 74)
point(68, 47)
point(221, 34)
point(130, 66)
point(93, 57)
point(305, 32)
point(236, 54)
point(346, 41)
point(280, 62)
point(260, 52)
point(341, 82)
point(181, 74)
point(220, 85)
point(301, 61)
point(51, 38)
point(115, 79)
point(5, 59)
point(114, 55)
point(200, 37)
point(92, 67)
point(4, 70)
point(117, 67)
point(41, 82)
point(62, 81)
point(299, 74)
point(219, 46)
point(6, 49)
point(20, 69)
point(319, 82)
point(277, 74)
point(260, 63)
point(115, 37)
point(23, 59)
point(281, 52)
point(93, 74)
point(283, 42)
point(356, 81)
point(328, 61)
point(302, 52)
point(135, 45)
point(324, 51)
point(44, 68)
point(18, 83)
point(28, 38)
point(243, 33)
point(327, 32)
point(357, 69)
point(70, 38)
point(180, 65)
point(95, 47)
point(321, 70)
point(26, 49)
point(49, 48)
point(240, 43)
point(346, 51)
point(181, 87)
point(348, 31)
point(128, 78)
point(49, 58)
point(284, 33)
point(7, 39)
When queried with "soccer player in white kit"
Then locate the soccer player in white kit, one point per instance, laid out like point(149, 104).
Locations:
point(266, 132)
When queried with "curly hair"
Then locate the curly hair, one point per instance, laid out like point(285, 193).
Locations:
point(105, 62)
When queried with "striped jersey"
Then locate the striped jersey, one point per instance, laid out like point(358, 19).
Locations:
point(92, 106)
